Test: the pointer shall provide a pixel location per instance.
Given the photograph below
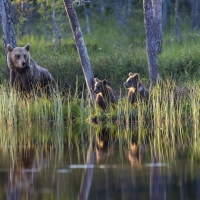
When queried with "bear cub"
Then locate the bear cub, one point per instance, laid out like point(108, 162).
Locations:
point(136, 88)
point(25, 74)
point(105, 95)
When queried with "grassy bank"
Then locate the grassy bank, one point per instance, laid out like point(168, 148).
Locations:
point(113, 55)
point(169, 120)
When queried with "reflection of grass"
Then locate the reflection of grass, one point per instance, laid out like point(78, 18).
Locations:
point(170, 118)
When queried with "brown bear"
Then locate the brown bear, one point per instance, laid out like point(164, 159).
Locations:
point(136, 88)
point(25, 74)
point(105, 95)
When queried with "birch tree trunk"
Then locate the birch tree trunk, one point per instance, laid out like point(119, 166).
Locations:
point(119, 13)
point(56, 31)
point(129, 10)
point(195, 4)
point(157, 19)
point(87, 21)
point(176, 25)
point(150, 42)
point(7, 24)
point(80, 44)
point(166, 14)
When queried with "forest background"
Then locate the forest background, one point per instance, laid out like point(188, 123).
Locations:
point(115, 39)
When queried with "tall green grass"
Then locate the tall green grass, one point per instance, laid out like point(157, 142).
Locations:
point(169, 120)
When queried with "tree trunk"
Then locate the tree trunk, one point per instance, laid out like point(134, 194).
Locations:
point(157, 19)
point(87, 21)
point(150, 42)
point(129, 10)
point(119, 13)
point(195, 14)
point(80, 44)
point(176, 25)
point(56, 31)
point(7, 24)
point(102, 8)
point(166, 14)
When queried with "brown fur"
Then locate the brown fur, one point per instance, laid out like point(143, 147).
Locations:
point(104, 93)
point(136, 88)
point(25, 74)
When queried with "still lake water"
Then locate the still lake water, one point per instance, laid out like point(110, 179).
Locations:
point(100, 170)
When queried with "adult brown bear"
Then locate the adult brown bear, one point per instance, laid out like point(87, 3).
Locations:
point(25, 74)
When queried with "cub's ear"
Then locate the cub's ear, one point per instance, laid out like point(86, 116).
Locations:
point(104, 81)
point(130, 74)
point(9, 48)
point(136, 76)
point(27, 47)
point(96, 80)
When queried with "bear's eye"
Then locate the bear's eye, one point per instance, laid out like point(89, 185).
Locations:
point(17, 57)
point(25, 57)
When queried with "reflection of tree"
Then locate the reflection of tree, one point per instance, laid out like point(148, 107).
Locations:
point(157, 184)
point(98, 149)
point(21, 174)
point(88, 173)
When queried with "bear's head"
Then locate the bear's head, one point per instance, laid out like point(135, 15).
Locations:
point(132, 82)
point(99, 86)
point(18, 57)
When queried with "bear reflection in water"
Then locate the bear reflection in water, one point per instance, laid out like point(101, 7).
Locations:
point(22, 173)
point(133, 153)
point(104, 144)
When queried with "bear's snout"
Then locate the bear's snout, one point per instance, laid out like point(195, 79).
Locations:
point(125, 85)
point(95, 91)
point(23, 64)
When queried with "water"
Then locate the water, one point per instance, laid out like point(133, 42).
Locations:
point(97, 172)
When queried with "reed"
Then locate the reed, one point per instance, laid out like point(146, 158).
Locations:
point(169, 120)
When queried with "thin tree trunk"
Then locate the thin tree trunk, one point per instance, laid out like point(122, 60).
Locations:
point(102, 8)
point(87, 20)
point(119, 13)
point(176, 25)
point(157, 19)
point(195, 4)
point(80, 44)
point(7, 24)
point(166, 14)
point(129, 9)
point(56, 31)
point(150, 42)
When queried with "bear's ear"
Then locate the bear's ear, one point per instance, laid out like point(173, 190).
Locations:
point(136, 76)
point(130, 74)
point(27, 47)
point(9, 48)
point(96, 80)
point(104, 81)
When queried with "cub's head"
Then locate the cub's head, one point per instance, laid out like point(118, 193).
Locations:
point(18, 57)
point(99, 85)
point(132, 81)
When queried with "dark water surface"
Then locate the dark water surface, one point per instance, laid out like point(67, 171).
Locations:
point(93, 173)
